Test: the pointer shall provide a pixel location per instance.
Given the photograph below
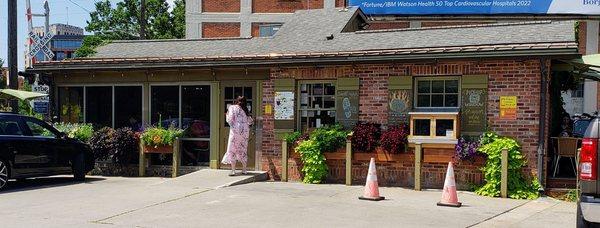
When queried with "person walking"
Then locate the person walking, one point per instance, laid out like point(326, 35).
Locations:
point(239, 120)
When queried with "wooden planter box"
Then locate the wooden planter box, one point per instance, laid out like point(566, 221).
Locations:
point(158, 150)
point(340, 154)
point(381, 155)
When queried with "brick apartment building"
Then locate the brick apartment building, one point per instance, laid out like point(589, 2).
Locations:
point(176, 80)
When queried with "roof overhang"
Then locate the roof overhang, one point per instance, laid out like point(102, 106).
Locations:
point(561, 51)
point(587, 66)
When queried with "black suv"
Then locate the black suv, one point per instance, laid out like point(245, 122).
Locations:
point(588, 206)
point(30, 147)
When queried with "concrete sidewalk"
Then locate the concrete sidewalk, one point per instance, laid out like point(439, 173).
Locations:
point(199, 201)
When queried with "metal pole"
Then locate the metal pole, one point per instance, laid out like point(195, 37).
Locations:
point(12, 51)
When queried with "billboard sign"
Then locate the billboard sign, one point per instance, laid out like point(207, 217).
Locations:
point(477, 7)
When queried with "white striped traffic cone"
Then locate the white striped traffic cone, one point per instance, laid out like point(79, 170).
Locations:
point(449, 195)
point(372, 187)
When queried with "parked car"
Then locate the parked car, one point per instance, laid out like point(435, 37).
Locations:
point(588, 205)
point(30, 147)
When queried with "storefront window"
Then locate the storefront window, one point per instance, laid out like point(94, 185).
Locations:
point(195, 120)
point(317, 105)
point(165, 106)
point(98, 106)
point(437, 93)
point(70, 103)
point(128, 107)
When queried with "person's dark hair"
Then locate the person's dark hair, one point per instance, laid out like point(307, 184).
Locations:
point(241, 101)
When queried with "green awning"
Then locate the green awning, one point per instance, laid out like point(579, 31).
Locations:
point(588, 66)
point(22, 95)
point(588, 61)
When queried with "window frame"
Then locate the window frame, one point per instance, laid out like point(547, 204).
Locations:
point(298, 101)
point(271, 26)
point(440, 78)
point(179, 85)
point(112, 85)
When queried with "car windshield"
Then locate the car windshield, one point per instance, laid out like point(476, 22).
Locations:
point(579, 127)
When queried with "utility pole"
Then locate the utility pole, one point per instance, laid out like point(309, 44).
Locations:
point(143, 20)
point(13, 64)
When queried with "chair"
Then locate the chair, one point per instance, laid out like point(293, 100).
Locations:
point(567, 148)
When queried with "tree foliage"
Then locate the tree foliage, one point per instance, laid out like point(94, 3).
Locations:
point(121, 21)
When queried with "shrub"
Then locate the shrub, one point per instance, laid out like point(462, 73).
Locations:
point(365, 136)
point(314, 167)
point(101, 143)
point(291, 138)
point(125, 146)
point(394, 140)
point(79, 131)
point(157, 136)
point(518, 186)
point(329, 138)
point(465, 150)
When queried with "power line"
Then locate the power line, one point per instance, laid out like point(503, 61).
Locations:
point(77, 4)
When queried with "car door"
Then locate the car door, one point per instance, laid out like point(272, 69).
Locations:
point(24, 160)
point(60, 149)
point(41, 141)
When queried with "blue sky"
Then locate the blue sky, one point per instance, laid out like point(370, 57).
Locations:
point(61, 11)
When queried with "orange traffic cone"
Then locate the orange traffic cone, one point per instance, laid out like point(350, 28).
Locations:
point(372, 187)
point(449, 196)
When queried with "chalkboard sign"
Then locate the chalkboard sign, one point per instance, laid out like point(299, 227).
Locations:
point(473, 111)
point(399, 105)
point(347, 107)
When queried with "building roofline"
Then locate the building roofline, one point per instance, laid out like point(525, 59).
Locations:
point(488, 51)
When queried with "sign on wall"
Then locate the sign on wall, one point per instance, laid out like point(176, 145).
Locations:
point(284, 105)
point(399, 105)
point(508, 107)
point(347, 107)
point(481, 7)
point(473, 114)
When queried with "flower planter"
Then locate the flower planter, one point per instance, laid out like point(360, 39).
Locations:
point(381, 155)
point(340, 154)
point(158, 149)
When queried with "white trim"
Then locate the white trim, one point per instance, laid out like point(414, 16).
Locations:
point(432, 113)
point(416, 140)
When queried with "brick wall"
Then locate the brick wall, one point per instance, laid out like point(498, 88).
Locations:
point(284, 6)
point(507, 77)
point(221, 6)
point(388, 25)
point(213, 30)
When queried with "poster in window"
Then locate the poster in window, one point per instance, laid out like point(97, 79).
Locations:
point(399, 106)
point(347, 108)
point(284, 105)
point(473, 114)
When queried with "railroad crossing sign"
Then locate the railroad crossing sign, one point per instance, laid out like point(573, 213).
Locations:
point(41, 44)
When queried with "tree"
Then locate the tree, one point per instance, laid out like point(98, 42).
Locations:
point(2, 82)
point(123, 23)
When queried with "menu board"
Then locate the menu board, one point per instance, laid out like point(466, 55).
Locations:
point(473, 110)
point(284, 106)
point(399, 106)
point(347, 107)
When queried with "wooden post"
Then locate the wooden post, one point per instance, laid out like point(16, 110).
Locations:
point(504, 177)
point(284, 161)
point(348, 162)
point(418, 159)
point(176, 157)
point(142, 162)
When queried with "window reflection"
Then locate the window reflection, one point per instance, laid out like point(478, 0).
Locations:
point(128, 107)
point(165, 106)
point(98, 109)
point(70, 103)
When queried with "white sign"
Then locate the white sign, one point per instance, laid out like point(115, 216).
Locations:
point(284, 105)
point(41, 44)
point(40, 105)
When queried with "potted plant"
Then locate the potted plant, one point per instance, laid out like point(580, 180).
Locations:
point(159, 140)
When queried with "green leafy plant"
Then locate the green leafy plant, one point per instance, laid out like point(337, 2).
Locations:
point(518, 186)
point(314, 167)
point(329, 138)
point(79, 131)
point(291, 138)
point(158, 136)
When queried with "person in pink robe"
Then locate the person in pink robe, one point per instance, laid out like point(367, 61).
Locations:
point(239, 120)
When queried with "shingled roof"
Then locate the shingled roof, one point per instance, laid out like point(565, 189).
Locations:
point(329, 33)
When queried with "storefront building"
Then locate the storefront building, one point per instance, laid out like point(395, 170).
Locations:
point(449, 81)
